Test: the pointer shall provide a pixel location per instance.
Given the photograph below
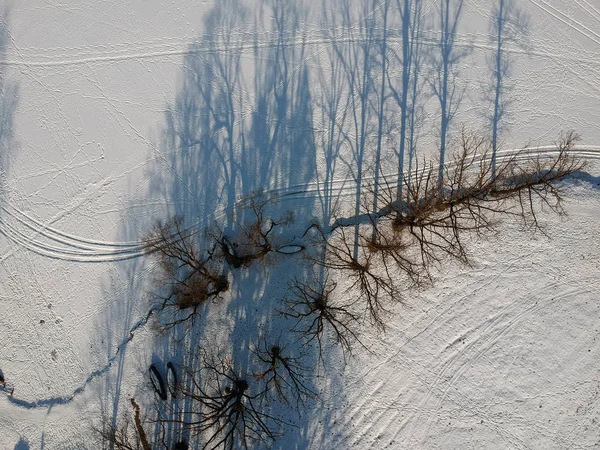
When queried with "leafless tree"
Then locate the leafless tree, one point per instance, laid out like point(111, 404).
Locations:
point(316, 314)
point(255, 237)
point(282, 374)
point(410, 237)
point(188, 276)
point(472, 198)
point(534, 180)
point(222, 409)
point(383, 264)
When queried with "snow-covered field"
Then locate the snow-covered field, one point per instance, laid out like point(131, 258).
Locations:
point(97, 100)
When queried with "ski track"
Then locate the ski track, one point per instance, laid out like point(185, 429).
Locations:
point(447, 367)
point(42, 238)
point(144, 51)
point(488, 334)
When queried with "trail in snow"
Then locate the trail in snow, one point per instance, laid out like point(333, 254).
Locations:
point(56, 401)
point(494, 328)
point(61, 57)
point(43, 239)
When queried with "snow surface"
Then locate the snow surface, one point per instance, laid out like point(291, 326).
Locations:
point(499, 355)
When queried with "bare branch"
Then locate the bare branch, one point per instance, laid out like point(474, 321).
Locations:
point(310, 304)
point(282, 374)
point(255, 238)
point(187, 277)
point(221, 410)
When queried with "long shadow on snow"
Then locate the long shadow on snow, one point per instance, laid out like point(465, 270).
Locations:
point(22, 445)
point(126, 312)
point(223, 141)
point(508, 26)
point(9, 96)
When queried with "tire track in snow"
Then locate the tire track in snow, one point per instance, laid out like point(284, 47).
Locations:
point(94, 245)
point(41, 238)
point(249, 45)
point(567, 20)
point(591, 10)
point(407, 363)
point(495, 330)
point(487, 336)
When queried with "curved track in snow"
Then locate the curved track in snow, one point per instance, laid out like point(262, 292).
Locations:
point(32, 234)
point(449, 362)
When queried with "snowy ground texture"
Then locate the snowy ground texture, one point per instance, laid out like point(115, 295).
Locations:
point(102, 106)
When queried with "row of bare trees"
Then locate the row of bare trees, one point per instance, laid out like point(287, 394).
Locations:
point(228, 137)
point(359, 110)
point(398, 246)
point(402, 241)
point(383, 66)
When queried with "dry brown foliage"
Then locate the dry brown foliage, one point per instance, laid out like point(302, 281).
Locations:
point(472, 200)
point(400, 242)
point(138, 426)
point(187, 277)
point(254, 237)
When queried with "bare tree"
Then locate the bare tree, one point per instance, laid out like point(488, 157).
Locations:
point(413, 236)
point(188, 276)
point(472, 199)
point(384, 260)
point(255, 237)
point(535, 181)
point(316, 314)
point(282, 374)
point(221, 409)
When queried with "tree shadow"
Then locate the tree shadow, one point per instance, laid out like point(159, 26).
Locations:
point(126, 314)
point(9, 96)
point(9, 99)
point(408, 93)
point(444, 75)
point(237, 127)
point(22, 445)
point(355, 46)
point(509, 26)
